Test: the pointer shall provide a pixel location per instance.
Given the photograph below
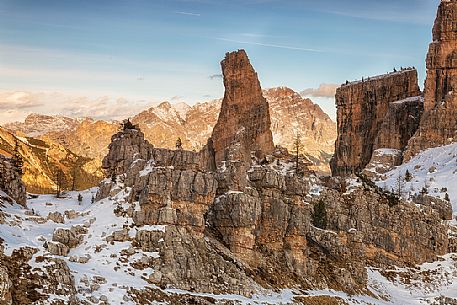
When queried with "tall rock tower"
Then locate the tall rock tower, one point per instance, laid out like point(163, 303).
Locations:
point(438, 125)
point(244, 116)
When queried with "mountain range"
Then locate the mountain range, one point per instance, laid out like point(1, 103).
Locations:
point(88, 138)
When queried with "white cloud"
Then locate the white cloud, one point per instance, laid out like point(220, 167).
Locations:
point(324, 90)
point(269, 45)
point(17, 105)
point(188, 14)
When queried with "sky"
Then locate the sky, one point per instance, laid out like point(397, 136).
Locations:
point(145, 51)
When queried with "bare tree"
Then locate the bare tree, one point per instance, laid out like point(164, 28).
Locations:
point(400, 185)
point(59, 180)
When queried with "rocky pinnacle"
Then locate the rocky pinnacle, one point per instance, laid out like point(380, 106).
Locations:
point(244, 116)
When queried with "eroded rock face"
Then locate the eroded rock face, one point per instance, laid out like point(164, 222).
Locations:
point(29, 285)
point(400, 123)
point(132, 146)
point(5, 287)
point(362, 107)
point(244, 110)
point(392, 234)
point(10, 180)
point(438, 125)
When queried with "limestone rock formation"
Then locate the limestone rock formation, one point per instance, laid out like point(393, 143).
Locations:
point(244, 111)
point(438, 125)
point(5, 287)
point(131, 147)
point(252, 226)
point(362, 108)
point(10, 180)
point(392, 233)
point(399, 124)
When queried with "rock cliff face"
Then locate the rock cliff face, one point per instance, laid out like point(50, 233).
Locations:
point(399, 124)
point(10, 180)
point(244, 111)
point(126, 147)
point(438, 125)
point(390, 234)
point(363, 108)
point(42, 160)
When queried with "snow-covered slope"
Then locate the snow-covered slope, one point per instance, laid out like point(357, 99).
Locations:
point(434, 169)
point(106, 270)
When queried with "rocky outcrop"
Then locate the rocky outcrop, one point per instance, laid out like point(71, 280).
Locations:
point(362, 109)
point(249, 226)
point(382, 161)
point(244, 112)
point(5, 287)
point(438, 125)
point(10, 180)
point(27, 285)
point(392, 232)
point(126, 147)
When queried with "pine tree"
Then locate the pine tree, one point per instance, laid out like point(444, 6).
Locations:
point(319, 216)
point(92, 200)
point(73, 176)
point(80, 199)
point(446, 197)
point(408, 176)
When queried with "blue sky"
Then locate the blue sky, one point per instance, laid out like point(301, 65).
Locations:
point(171, 49)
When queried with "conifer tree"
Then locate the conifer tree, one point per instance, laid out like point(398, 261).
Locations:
point(408, 176)
point(319, 215)
point(297, 148)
